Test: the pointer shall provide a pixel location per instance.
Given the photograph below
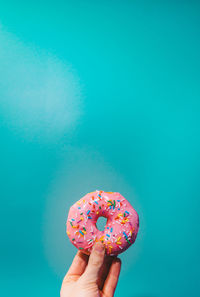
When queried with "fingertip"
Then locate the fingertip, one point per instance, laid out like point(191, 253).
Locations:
point(98, 247)
point(116, 266)
point(97, 255)
point(83, 256)
point(78, 265)
point(112, 278)
point(117, 261)
point(95, 262)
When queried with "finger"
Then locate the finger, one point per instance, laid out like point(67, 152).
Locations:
point(104, 271)
point(78, 266)
point(112, 278)
point(94, 264)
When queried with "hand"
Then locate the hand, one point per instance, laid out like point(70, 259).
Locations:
point(92, 276)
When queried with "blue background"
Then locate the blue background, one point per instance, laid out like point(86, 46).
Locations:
point(100, 95)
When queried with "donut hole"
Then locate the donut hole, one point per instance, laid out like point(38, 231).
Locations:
point(101, 223)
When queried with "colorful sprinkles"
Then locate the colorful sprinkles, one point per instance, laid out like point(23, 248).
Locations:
point(119, 230)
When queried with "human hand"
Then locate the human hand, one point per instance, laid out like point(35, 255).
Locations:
point(92, 276)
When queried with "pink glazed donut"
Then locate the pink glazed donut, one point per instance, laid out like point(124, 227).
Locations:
point(121, 228)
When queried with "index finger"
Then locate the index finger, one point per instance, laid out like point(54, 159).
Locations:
point(78, 265)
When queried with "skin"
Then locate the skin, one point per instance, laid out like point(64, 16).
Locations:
point(92, 276)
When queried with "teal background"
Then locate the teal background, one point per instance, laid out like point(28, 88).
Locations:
point(100, 95)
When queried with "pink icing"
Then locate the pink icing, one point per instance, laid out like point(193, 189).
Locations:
point(121, 228)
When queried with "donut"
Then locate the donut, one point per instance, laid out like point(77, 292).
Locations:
point(120, 230)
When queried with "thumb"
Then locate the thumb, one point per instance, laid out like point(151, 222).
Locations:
point(94, 264)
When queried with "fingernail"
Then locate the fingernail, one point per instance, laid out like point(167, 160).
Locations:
point(99, 247)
